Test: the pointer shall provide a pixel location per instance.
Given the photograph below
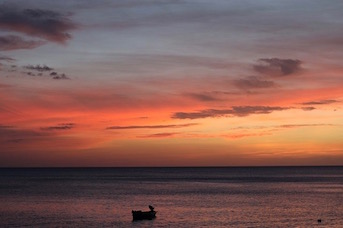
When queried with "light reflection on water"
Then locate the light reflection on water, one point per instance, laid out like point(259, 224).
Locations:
point(182, 197)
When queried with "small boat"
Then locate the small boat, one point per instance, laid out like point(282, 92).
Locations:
point(140, 215)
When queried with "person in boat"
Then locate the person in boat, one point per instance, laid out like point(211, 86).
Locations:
point(151, 208)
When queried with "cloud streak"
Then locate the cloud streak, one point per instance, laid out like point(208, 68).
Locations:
point(321, 102)
point(234, 111)
point(6, 59)
point(201, 97)
point(39, 68)
point(43, 70)
point(12, 42)
point(150, 126)
point(61, 126)
point(159, 135)
point(13, 134)
point(253, 83)
point(303, 125)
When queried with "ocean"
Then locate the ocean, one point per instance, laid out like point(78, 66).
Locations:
point(182, 197)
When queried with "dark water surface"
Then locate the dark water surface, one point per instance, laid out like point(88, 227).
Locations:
point(183, 197)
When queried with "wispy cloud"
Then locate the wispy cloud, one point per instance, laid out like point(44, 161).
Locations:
point(59, 76)
point(303, 125)
point(151, 126)
point(253, 83)
point(320, 102)
point(46, 24)
point(12, 42)
point(5, 126)
point(201, 97)
point(234, 111)
point(278, 67)
point(61, 126)
point(308, 108)
point(39, 68)
point(244, 135)
point(159, 135)
point(43, 70)
point(6, 59)
point(14, 134)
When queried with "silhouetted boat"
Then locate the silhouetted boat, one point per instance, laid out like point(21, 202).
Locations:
point(140, 215)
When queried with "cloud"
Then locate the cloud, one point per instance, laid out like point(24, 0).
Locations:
point(11, 42)
point(321, 102)
point(303, 125)
point(243, 135)
point(248, 110)
point(308, 108)
point(150, 126)
point(6, 59)
point(38, 68)
point(59, 77)
point(201, 97)
point(278, 67)
point(235, 111)
point(253, 83)
point(46, 24)
point(159, 135)
point(13, 134)
point(201, 114)
point(61, 126)
point(41, 69)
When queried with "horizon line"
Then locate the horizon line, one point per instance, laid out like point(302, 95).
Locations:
point(114, 167)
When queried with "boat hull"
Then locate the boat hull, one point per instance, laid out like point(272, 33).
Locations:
point(140, 215)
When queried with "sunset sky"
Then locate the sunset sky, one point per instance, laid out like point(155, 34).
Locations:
point(171, 83)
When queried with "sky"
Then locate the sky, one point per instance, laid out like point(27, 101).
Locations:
point(171, 83)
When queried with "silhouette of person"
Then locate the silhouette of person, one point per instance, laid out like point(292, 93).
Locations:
point(151, 208)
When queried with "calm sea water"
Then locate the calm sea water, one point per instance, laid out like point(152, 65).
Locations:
point(183, 197)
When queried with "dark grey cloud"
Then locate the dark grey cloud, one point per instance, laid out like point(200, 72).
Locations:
point(253, 83)
point(12, 42)
point(46, 24)
point(30, 74)
point(201, 97)
point(150, 126)
point(321, 102)
point(59, 77)
point(43, 70)
point(234, 111)
point(39, 68)
point(278, 67)
point(61, 126)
